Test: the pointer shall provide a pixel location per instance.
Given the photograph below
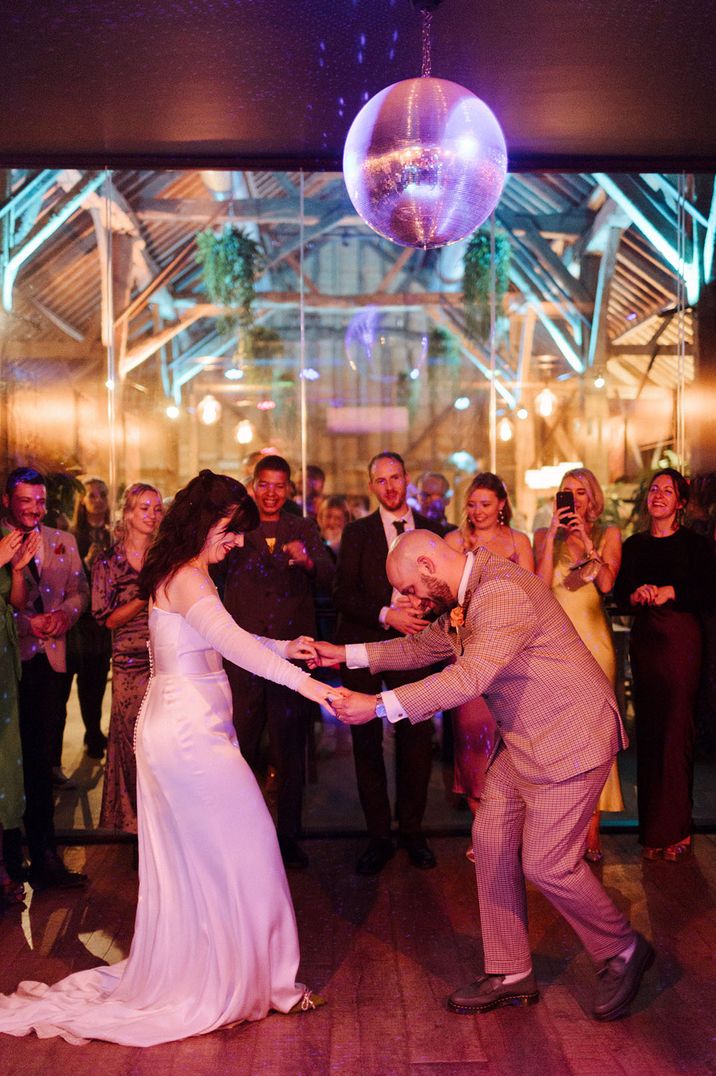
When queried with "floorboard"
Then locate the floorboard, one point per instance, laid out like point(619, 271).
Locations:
point(386, 952)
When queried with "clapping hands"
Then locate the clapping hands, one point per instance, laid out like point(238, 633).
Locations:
point(18, 548)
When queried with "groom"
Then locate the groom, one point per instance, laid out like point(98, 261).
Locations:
point(507, 638)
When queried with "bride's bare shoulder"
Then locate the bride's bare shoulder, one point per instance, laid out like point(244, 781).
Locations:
point(186, 586)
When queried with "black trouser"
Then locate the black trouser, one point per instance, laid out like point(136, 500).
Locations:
point(413, 760)
point(89, 653)
point(42, 696)
point(260, 704)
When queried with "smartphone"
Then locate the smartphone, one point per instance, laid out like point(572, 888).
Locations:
point(565, 499)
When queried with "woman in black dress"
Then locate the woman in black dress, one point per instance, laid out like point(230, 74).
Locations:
point(666, 581)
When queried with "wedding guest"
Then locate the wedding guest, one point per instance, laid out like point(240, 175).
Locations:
point(666, 581)
point(358, 505)
point(56, 595)
point(433, 495)
point(118, 605)
point(15, 554)
point(268, 590)
point(364, 599)
point(89, 643)
point(487, 513)
point(579, 559)
point(485, 524)
point(315, 484)
point(333, 515)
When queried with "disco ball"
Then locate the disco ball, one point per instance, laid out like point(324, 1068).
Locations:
point(425, 162)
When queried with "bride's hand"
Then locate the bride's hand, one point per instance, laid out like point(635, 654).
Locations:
point(323, 694)
point(301, 649)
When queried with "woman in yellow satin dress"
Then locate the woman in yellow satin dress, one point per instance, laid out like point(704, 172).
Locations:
point(579, 560)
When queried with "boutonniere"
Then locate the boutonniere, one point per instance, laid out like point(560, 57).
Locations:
point(457, 619)
point(59, 550)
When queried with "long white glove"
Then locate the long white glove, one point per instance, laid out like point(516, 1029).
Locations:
point(210, 619)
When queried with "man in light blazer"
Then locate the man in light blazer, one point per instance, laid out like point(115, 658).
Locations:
point(506, 637)
point(57, 592)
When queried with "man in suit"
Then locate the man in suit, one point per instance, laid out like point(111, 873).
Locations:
point(433, 494)
point(57, 592)
point(507, 638)
point(367, 610)
point(269, 591)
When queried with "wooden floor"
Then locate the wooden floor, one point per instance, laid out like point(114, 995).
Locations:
point(386, 952)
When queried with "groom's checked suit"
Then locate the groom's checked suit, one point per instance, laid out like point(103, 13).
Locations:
point(559, 729)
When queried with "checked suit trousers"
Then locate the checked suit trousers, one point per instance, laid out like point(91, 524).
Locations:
point(531, 832)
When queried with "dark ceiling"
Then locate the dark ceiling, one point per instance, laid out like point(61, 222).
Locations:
point(576, 84)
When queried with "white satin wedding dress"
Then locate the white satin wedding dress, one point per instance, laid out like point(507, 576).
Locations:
point(215, 937)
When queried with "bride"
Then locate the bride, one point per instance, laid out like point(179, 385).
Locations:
point(215, 934)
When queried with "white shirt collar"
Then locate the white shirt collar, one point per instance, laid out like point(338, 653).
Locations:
point(467, 571)
point(392, 517)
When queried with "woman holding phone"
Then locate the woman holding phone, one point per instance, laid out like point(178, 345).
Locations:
point(579, 560)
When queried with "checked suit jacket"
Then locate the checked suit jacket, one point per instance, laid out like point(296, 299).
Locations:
point(555, 709)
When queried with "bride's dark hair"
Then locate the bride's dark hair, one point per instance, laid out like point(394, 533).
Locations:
point(194, 511)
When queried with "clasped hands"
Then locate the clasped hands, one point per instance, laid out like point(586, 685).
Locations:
point(352, 707)
point(650, 594)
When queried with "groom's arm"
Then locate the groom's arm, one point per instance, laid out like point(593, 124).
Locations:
point(426, 647)
point(502, 623)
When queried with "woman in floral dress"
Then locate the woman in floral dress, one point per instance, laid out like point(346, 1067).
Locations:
point(117, 605)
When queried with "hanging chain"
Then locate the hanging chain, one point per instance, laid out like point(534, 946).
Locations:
point(427, 58)
point(681, 300)
point(493, 348)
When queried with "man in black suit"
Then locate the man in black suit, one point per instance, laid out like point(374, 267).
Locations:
point(368, 612)
point(269, 591)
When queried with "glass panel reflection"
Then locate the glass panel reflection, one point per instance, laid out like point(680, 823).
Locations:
point(121, 359)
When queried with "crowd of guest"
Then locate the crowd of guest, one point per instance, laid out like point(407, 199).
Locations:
point(71, 606)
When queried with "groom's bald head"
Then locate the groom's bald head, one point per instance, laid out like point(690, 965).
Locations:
point(420, 564)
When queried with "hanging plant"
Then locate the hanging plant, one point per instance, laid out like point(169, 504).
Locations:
point(230, 261)
point(476, 278)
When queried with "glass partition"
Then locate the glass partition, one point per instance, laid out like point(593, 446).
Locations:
point(155, 323)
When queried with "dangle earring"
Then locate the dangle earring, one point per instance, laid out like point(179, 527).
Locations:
point(501, 517)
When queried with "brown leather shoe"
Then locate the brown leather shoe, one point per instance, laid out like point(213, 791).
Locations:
point(490, 992)
point(619, 981)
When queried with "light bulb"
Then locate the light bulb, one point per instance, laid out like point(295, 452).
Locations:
point(599, 382)
point(462, 403)
point(244, 432)
point(172, 411)
point(544, 402)
point(522, 414)
point(234, 373)
point(209, 410)
point(504, 429)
